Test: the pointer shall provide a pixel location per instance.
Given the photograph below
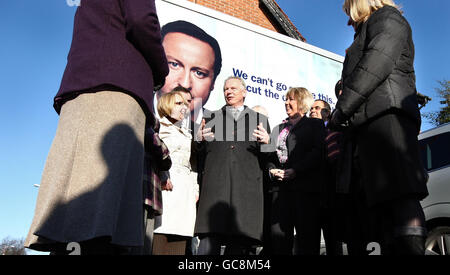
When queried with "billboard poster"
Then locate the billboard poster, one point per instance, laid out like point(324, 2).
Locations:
point(270, 63)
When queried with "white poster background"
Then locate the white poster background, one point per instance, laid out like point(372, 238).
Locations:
point(272, 62)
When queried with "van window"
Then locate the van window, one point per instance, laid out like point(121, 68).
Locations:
point(435, 151)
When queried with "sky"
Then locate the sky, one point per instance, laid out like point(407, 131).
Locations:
point(35, 40)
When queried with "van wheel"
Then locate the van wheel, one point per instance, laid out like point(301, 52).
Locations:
point(438, 241)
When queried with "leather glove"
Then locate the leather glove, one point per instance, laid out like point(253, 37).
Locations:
point(338, 121)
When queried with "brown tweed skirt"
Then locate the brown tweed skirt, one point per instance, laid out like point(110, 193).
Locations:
point(92, 181)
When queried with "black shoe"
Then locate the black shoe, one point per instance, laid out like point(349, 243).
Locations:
point(409, 245)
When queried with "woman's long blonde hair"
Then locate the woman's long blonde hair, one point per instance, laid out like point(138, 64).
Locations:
point(360, 10)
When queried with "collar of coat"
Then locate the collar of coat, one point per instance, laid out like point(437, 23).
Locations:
point(296, 125)
point(166, 122)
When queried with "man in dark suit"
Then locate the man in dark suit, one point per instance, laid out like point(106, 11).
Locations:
point(231, 200)
point(329, 208)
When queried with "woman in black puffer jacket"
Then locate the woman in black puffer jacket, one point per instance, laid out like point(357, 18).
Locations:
point(379, 105)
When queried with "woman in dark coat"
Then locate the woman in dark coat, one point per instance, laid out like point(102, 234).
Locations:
point(295, 169)
point(379, 104)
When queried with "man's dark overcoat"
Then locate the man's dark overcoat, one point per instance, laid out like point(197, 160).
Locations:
point(231, 198)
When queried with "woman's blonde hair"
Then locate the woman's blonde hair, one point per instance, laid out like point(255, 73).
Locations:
point(303, 97)
point(166, 103)
point(360, 10)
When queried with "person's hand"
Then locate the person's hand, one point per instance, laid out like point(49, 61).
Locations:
point(277, 174)
point(338, 121)
point(281, 175)
point(261, 134)
point(204, 133)
point(167, 185)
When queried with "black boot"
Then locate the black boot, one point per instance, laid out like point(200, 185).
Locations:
point(410, 245)
point(410, 241)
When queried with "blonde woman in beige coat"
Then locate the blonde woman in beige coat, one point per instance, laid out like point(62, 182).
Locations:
point(176, 225)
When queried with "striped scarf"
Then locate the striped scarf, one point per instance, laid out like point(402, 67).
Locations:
point(332, 142)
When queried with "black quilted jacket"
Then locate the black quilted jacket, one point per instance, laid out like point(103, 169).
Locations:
point(378, 74)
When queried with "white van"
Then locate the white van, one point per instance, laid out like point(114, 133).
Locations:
point(435, 153)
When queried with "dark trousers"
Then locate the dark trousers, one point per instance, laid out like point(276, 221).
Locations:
point(291, 209)
point(331, 213)
point(211, 244)
point(330, 231)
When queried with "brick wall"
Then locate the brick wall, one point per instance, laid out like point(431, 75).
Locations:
point(247, 10)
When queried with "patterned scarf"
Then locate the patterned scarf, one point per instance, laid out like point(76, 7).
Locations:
point(282, 150)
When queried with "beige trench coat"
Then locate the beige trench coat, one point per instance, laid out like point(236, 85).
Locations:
point(179, 211)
